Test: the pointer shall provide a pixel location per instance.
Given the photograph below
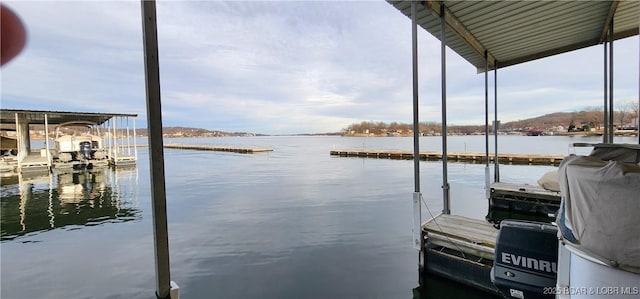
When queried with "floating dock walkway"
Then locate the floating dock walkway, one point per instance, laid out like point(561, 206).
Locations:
point(241, 150)
point(524, 159)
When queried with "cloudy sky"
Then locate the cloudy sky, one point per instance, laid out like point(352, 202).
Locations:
point(279, 67)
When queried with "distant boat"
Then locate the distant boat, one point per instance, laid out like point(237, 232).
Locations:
point(8, 154)
point(535, 132)
point(79, 147)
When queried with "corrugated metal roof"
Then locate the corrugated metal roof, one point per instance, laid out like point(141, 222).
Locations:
point(513, 32)
point(8, 116)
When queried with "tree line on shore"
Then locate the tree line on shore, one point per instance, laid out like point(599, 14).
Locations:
point(592, 118)
point(626, 117)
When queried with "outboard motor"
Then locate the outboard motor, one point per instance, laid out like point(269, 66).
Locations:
point(85, 149)
point(525, 260)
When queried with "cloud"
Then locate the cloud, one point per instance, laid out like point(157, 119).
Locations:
point(277, 67)
point(79, 56)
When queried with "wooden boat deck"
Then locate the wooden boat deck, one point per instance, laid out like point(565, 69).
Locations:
point(452, 156)
point(471, 236)
point(241, 150)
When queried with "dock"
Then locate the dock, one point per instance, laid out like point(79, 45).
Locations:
point(461, 249)
point(521, 159)
point(123, 160)
point(241, 150)
point(525, 199)
point(104, 133)
point(34, 162)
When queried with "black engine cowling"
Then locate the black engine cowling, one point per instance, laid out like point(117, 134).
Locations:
point(85, 149)
point(525, 259)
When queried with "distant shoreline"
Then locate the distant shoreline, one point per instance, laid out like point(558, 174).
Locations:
point(577, 134)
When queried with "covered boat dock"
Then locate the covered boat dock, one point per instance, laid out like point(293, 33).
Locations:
point(488, 34)
point(491, 35)
point(120, 139)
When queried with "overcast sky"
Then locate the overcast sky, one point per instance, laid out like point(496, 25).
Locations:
point(280, 67)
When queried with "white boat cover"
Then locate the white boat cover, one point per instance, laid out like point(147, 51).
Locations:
point(600, 211)
point(628, 153)
point(549, 181)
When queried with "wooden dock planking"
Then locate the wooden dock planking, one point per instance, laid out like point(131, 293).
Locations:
point(241, 150)
point(34, 162)
point(472, 236)
point(452, 156)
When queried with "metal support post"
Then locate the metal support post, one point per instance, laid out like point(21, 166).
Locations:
point(135, 141)
point(605, 123)
point(115, 141)
point(446, 205)
point(46, 140)
point(496, 162)
point(165, 288)
point(611, 120)
point(416, 120)
point(487, 174)
point(417, 207)
point(128, 139)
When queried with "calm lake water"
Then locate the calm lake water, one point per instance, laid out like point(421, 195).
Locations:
point(292, 223)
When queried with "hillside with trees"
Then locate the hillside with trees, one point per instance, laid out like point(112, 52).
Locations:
point(586, 120)
point(37, 131)
point(559, 123)
point(176, 132)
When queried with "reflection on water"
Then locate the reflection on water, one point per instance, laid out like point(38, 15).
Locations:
point(435, 287)
point(70, 199)
point(292, 223)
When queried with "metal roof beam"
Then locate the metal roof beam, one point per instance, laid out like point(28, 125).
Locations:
point(626, 33)
point(460, 30)
point(608, 20)
point(549, 52)
point(7, 116)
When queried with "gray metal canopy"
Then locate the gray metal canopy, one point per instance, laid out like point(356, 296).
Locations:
point(513, 32)
point(8, 116)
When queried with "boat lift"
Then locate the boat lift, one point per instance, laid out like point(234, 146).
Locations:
point(120, 151)
point(433, 14)
point(476, 53)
